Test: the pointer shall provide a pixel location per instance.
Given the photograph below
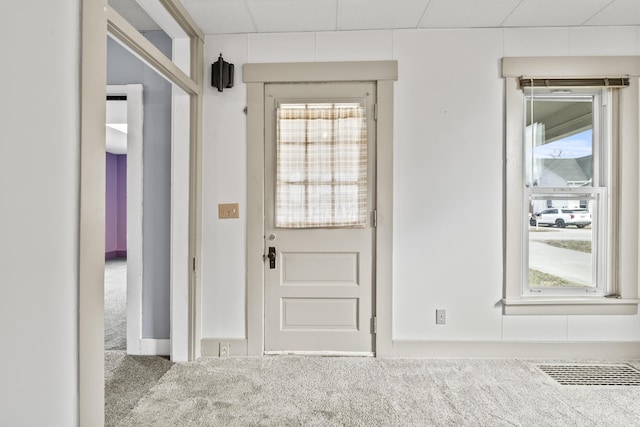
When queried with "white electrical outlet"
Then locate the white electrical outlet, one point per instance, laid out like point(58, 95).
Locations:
point(441, 317)
point(224, 349)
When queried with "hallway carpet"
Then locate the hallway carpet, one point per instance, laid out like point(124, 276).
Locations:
point(126, 380)
point(326, 391)
point(115, 304)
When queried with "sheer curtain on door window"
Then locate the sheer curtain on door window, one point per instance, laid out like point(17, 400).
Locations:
point(321, 165)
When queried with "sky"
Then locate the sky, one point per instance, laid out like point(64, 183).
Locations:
point(572, 147)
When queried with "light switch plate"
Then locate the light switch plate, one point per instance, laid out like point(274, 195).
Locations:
point(228, 210)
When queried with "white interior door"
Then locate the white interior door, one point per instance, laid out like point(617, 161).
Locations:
point(319, 213)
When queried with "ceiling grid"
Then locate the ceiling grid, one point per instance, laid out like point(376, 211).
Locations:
point(276, 16)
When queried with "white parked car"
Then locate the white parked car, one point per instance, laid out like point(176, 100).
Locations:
point(561, 217)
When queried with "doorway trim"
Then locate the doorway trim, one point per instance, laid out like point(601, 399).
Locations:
point(185, 287)
point(383, 74)
point(99, 20)
point(133, 92)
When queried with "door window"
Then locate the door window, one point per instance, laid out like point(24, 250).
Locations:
point(321, 165)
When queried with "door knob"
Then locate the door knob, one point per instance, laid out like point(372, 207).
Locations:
point(272, 257)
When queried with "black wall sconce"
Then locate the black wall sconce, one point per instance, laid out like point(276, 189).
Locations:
point(221, 74)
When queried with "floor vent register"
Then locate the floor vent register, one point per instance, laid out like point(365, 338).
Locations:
point(593, 374)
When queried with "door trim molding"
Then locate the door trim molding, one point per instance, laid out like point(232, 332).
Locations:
point(154, 347)
point(383, 73)
point(98, 21)
point(134, 212)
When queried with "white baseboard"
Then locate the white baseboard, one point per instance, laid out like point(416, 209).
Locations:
point(604, 350)
point(607, 350)
point(150, 347)
point(210, 347)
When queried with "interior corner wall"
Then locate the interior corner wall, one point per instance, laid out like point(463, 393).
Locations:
point(39, 187)
point(124, 68)
point(448, 175)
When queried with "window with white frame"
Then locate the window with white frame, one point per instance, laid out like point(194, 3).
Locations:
point(566, 150)
point(571, 245)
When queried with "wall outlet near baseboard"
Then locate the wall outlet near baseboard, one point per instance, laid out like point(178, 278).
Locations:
point(441, 317)
point(224, 349)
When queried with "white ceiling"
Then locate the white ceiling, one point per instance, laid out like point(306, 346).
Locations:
point(266, 16)
point(116, 129)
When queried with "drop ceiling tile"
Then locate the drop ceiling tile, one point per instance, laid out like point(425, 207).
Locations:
point(620, 12)
point(379, 14)
point(354, 46)
point(220, 16)
point(553, 13)
point(467, 13)
point(590, 41)
point(293, 15)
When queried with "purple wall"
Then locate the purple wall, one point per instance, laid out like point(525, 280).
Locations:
point(116, 206)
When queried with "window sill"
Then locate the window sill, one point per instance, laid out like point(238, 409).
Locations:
point(569, 305)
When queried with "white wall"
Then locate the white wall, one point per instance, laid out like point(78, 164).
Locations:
point(39, 178)
point(448, 168)
point(224, 181)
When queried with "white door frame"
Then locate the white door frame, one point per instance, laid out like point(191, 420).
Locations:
point(383, 73)
point(134, 212)
point(352, 245)
point(136, 343)
point(98, 20)
point(185, 240)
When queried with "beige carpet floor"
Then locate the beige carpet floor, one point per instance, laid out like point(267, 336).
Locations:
point(325, 391)
point(127, 380)
point(115, 304)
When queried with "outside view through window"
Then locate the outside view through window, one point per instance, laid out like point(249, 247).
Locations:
point(559, 172)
